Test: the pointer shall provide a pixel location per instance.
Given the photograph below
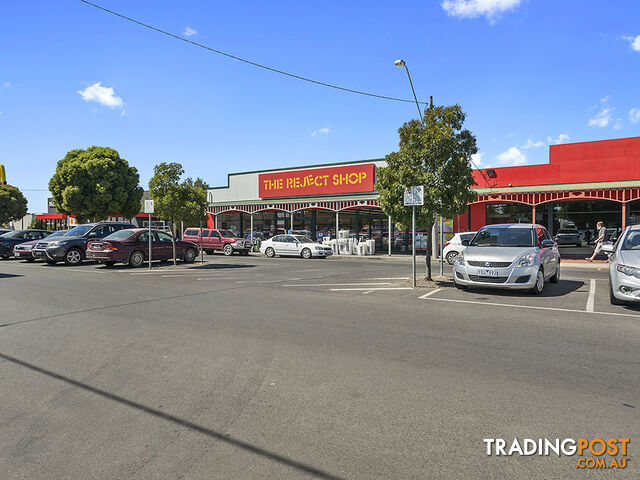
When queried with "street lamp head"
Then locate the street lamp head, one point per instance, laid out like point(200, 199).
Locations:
point(399, 63)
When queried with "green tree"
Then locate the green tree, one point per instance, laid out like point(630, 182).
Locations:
point(94, 184)
point(175, 201)
point(13, 205)
point(435, 153)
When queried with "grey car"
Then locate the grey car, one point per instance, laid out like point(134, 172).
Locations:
point(515, 256)
point(624, 267)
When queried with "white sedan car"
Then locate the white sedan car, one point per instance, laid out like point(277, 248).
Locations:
point(454, 246)
point(624, 267)
point(294, 245)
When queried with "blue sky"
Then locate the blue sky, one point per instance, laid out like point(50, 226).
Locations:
point(527, 73)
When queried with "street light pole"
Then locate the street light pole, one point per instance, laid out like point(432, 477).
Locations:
point(401, 63)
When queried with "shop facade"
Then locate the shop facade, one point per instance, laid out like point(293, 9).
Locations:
point(581, 184)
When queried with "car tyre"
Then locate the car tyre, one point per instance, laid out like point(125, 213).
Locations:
point(306, 253)
point(451, 257)
point(556, 276)
point(227, 250)
point(612, 297)
point(73, 257)
point(136, 259)
point(190, 255)
point(5, 257)
point(270, 252)
point(539, 285)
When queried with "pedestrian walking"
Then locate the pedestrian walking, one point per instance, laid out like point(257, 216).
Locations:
point(599, 241)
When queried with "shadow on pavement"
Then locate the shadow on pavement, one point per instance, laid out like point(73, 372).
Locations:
point(9, 275)
point(248, 447)
point(215, 266)
point(562, 288)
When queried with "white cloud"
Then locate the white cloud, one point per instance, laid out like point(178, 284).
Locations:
point(513, 156)
point(634, 42)
point(7, 84)
point(563, 137)
point(475, 8)
point(531, 144)
point(189, 32)
point(618, 124)
point(634, 115)
point(603, 117)
point(321, 131)
point(476, 158)
point(102, 95)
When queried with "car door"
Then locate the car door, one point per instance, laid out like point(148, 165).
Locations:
point(164, 245)
point(547, 253)
point(277, 243)
point(142, 243)
point(215, 241)
point(290, 245)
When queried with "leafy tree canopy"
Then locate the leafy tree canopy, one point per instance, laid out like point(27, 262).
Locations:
point(434, 153)
point(94, 184)
point(13, 205)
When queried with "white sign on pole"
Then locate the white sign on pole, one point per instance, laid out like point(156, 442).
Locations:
point(148, 206)
point(414, 196)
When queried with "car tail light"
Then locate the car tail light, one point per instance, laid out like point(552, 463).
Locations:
point(445, 245)
point(109, 247)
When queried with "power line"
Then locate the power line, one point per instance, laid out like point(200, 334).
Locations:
point(240, 59)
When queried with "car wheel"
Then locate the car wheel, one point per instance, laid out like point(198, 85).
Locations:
point(451, 257)
point(270, 252)
point(136, 259)
point(306, 253)
point(612, 298)
point(110, 263)
point(556, 276)
point(227, 250)
point(539, 285)
point(73, 257)
point(5, 257)
point(190, 255)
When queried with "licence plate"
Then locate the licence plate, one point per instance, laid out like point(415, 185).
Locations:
point(486, 272)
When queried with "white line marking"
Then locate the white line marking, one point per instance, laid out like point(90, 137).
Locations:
point(369, 290)
point(428, 294)
point(387, 278)
point(214, 278)
point(531, 307)
point(592, 296)
point(334, 284)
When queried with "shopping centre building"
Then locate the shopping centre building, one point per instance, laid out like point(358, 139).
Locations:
point(581, 184)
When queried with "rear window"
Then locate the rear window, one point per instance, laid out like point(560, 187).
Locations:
point(191, 233)
point(119, 235)
point(466, 236)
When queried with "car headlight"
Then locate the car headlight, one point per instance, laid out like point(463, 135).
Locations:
point(526, 261)
point(460, 259)
point(631, 271)
point(318, 247)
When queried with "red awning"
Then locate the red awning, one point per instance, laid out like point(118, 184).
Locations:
point(51, 216)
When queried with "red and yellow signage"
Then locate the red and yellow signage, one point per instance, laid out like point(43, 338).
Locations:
point(318, 181)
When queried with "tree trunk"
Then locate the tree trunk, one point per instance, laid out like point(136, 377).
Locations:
point(173, 242)
point(428, 255)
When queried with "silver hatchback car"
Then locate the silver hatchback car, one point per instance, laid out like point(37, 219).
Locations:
point(515, 256)
point(624, 267)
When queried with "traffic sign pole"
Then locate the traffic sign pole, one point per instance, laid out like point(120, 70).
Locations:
point(149, 241)
point(413, 242)
point(148, 208)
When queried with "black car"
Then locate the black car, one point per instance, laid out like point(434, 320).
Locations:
point(71, 248)
point(14, 237)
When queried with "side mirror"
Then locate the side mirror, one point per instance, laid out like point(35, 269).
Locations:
point(548, 244)
point(607, 248)
point(465, 243)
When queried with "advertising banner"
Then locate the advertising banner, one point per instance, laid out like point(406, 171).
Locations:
point(318, 181)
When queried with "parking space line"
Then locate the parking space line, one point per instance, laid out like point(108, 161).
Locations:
point(387, 278)
point(428, 294)
point(369, 290)
point(532, 307)
point(592, 295)
point(336, 284)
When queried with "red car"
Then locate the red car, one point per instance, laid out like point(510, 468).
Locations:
point(215, 239)
point(132, 246)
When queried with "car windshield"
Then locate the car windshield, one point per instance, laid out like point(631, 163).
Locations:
point(302, 239)
point(503, 237)
point(59, 233)
point(631, 241)
point(11, 234)
point(79, 230)
point(227, 233)
point(119, 235)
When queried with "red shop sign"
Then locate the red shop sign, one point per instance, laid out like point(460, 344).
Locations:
point(318, 181)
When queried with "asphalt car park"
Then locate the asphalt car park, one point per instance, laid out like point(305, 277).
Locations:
point(250, 367)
